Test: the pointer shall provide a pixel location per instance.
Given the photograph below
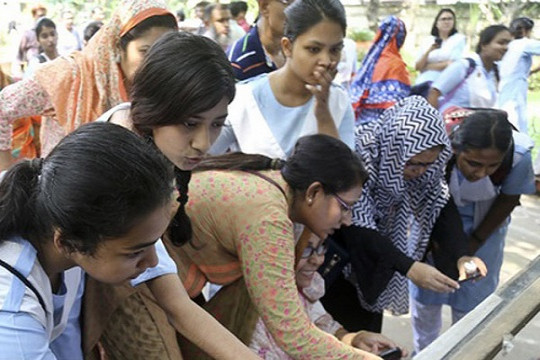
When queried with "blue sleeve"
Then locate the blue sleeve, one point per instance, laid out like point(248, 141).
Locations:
point(533, 48)
point(23, 337)
point(451, 77)
point(69, 344)
point(225, 140)
point(346, 128)
point(521, 178)
point(165, 266)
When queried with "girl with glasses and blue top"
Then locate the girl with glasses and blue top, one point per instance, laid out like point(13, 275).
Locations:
point(489, 171)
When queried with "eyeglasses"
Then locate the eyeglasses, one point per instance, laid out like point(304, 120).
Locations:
point(418, 165)
point(345, 208)
point(319, 250)
point(446, 19)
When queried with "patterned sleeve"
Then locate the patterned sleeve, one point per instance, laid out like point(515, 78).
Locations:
point(266, 249)
point(22, 99)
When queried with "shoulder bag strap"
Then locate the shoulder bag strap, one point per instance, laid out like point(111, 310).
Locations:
point(271, 181)
point(25, 282)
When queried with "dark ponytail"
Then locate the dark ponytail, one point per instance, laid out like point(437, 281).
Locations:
point(96, 184)
point(180, 230)
point(315, 158)
point(240, 161)
point(520, 26)
point(17, 199)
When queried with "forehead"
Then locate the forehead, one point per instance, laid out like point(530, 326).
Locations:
point(428, 155)
point(46, 29)
point(446, 14)
point(505, 34)
point(328, 32)
point(489, 155)
point(221, 13)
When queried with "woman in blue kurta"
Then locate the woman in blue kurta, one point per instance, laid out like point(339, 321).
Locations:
point(490, 170)
point(515, 68)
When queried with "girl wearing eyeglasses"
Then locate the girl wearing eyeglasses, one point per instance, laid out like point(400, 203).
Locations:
point(311, 288)
point(490, 170)
point(243, 210)
point(405, 152)
point(445, 46)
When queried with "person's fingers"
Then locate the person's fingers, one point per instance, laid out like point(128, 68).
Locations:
point(481, 266)
point(443, 284)
point(462, 273)
point(385, 342)
point(404, 352)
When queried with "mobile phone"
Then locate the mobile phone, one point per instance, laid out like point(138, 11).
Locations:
point(474, 276)
point(438, 41)
point(391, 354)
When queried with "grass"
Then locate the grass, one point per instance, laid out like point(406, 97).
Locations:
point(533, 105)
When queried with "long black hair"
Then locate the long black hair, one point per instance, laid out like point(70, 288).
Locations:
point(521, 25)
point(315, 158)
point(96, 184)
point(182, 75)
point(488, 34)
point(302, 15)
point(483, 129)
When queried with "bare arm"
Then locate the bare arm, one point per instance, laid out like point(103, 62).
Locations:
point(433, 97)
point(423, 61)
point(194, 323)
point(499, 211)
point(22, 99)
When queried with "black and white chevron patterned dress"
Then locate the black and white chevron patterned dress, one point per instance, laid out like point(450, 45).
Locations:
point(404, 211)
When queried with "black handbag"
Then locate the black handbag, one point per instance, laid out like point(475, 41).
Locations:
point(335, 260)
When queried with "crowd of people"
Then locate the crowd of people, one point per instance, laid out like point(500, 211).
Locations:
point(154, 156)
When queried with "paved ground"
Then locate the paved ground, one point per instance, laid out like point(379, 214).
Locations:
point(523, 245)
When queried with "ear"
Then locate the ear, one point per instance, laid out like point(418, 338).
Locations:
point(286, 46)
point(58, 244)
point(313, 192)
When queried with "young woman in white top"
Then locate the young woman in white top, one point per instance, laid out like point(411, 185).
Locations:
point(446, 46)
point(273, 110)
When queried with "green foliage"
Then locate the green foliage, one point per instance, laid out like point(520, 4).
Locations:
point(361, 35)
point(534, 82)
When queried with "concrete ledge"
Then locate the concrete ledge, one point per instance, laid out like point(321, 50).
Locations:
point(479, 334)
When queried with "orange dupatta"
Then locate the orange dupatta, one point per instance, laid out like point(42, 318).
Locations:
point(85, 84)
